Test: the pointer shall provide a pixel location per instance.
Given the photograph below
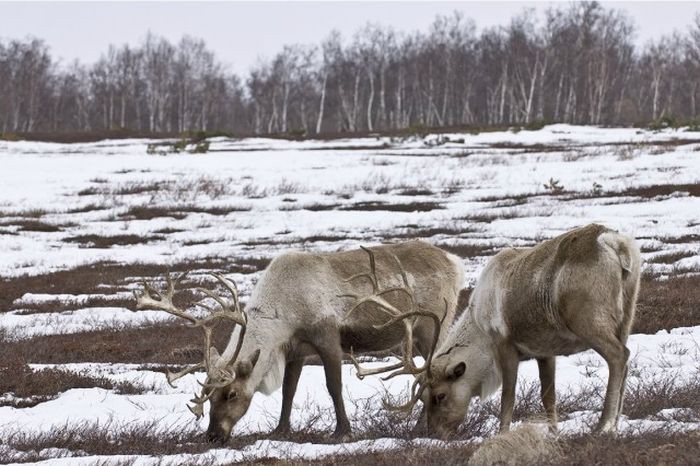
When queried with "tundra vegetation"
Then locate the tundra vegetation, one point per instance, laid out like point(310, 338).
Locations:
point(82, 226)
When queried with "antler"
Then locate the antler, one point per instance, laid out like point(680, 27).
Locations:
point(408, 318)
point(217, 374)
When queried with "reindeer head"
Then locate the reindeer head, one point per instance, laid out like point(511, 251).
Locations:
point(226, 386)
point(447, 396)
point(457, 375)
point(229, 403)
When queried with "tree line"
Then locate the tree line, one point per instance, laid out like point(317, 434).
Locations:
point(576, 64)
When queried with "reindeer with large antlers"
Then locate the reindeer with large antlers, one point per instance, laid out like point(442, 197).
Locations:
point(319, 303)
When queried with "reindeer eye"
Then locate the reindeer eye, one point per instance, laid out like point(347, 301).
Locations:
point(231, 396)
point(457, 372)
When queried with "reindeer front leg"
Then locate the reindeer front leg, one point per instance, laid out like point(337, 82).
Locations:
point(332, 363)
point(508, 361)
point(326, 342)
point(547, 369)
point(292, 372)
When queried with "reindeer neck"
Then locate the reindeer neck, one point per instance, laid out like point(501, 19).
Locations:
point(269, 370)
point(465, 332)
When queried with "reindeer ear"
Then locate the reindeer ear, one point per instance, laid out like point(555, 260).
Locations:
point(254, 358)
point(244, 368)
point(457, 371)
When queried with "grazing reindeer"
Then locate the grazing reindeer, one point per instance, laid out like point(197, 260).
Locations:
point(318, 303)
point(571, 293)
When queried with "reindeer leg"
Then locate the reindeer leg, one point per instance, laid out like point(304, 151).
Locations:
point(547, 369)
point(602, 339)
point(508, 360)
point(616, 355)
point(327, 345)
point(289, 387)
point(623, 385)
point(424, 335)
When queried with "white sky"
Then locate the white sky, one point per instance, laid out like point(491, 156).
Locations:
point(240, 32)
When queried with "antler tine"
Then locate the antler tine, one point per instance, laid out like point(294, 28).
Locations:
point(231, 286)
point(371, 275)
point(416, 392)
point(173, 376)
point(150, 298)
point(197, 409)
point(215, 297)
point(231, 311)
point(199, 400)
point(384, 305)
point(363, 372)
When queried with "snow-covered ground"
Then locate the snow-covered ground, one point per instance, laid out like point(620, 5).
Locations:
point(254, 198)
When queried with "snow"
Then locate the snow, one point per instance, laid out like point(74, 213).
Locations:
point(277, 185)
point(665, 354)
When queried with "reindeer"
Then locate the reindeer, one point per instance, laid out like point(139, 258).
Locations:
point(317, 303)
point(568, 294)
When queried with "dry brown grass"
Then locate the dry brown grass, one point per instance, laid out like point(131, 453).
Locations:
point(667, 304)
point(34, 387)
point(692, 238)
point(179, 212)
point(414, 231)
point(91, 279)
point(384, 206)
point(671, 257)
point(658, 447)
point(106, 439)
point(32, 225)
point(468, 250)
point(373, 424)
point(103, 242)
point(657, 392)
point(164, 343)
point(662, 190)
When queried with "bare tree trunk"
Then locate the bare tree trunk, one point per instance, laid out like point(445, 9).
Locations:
point(382, 97)
point(370, 101)
point(321, 106)
point(355, 102)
